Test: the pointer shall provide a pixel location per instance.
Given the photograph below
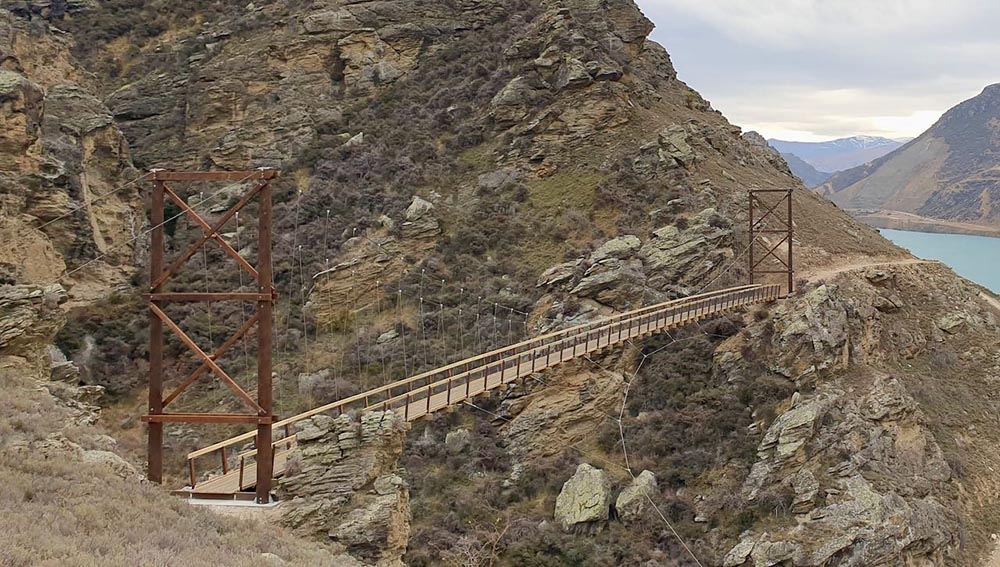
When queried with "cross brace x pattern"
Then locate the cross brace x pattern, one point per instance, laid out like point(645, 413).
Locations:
point(783, 217)
point(211, 233)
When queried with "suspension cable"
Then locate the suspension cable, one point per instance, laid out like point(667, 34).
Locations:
point(146, 232)
point(99, 198)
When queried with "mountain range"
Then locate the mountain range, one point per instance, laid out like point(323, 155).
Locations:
point(949, 173)
point(805, 171)
point(840, 154)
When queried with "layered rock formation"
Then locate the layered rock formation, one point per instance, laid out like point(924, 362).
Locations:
point(342, 486)
point(64, 163)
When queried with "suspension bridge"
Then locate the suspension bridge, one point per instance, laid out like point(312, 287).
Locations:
point(442, 388)
point(244, 467)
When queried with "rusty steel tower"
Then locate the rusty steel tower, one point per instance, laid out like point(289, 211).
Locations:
point(767, 205)
point(259, 411)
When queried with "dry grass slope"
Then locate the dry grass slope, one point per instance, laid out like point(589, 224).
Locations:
point(59, 509)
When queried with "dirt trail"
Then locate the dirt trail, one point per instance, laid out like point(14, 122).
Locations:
point(830, 271)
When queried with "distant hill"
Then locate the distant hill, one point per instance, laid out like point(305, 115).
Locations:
point(805, 171)
point(838, 155)
point(950, 172)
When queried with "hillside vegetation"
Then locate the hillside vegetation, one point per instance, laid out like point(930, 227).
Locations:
point(456, 175)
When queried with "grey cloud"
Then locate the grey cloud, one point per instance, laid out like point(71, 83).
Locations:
point(931, 60)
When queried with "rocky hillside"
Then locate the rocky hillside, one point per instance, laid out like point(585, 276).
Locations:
point(809, 175)
point(949, 173)
point(446, 171)
point(62, 155)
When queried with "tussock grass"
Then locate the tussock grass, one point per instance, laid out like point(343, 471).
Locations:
point(59, 510)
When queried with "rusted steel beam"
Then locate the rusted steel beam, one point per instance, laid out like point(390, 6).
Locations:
point(265, 460)
point(756, 229)
point(750, 234)
point(770, 253)
point(771, 211)
point(222, 418)
point(772, 272)
point(208, 360)
point(207, 229)
point(205, 297)
point(791, 234)
point(215, 356)
point(214, 175)
point(154, 470)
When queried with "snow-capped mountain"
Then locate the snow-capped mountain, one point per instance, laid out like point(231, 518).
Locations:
point(838, 155)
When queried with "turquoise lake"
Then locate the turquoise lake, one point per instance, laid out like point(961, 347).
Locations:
point(975, 258)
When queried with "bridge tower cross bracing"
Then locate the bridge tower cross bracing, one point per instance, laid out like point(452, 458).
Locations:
point(260, 409)
point(771, 205)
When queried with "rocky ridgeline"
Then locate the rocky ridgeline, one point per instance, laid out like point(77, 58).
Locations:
point(343, 486)
point(853, 460)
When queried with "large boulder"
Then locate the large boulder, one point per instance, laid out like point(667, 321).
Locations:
point(585, 499)
point(634, 498)
point(621, 247)
point(457, 441)
point(420, 221)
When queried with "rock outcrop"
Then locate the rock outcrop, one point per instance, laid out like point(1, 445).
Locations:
point(634, 499)
point(857, 466)
point(585, 499)
point(625, 271)
point(29, 317)
point(419, 221)
point(542, 418)
point(343, 486)
point(64, 163)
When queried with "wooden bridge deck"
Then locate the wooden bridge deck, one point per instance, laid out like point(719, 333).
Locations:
point(433, 391)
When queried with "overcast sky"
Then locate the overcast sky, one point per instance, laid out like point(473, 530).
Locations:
point(814, 70)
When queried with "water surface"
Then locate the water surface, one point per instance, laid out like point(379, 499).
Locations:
point(975, 258)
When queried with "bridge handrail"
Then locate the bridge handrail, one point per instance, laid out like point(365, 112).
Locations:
point(408, 397)
point(485, 359)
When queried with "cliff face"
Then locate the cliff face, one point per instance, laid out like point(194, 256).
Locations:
point(444, 163)
point(62, 156)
